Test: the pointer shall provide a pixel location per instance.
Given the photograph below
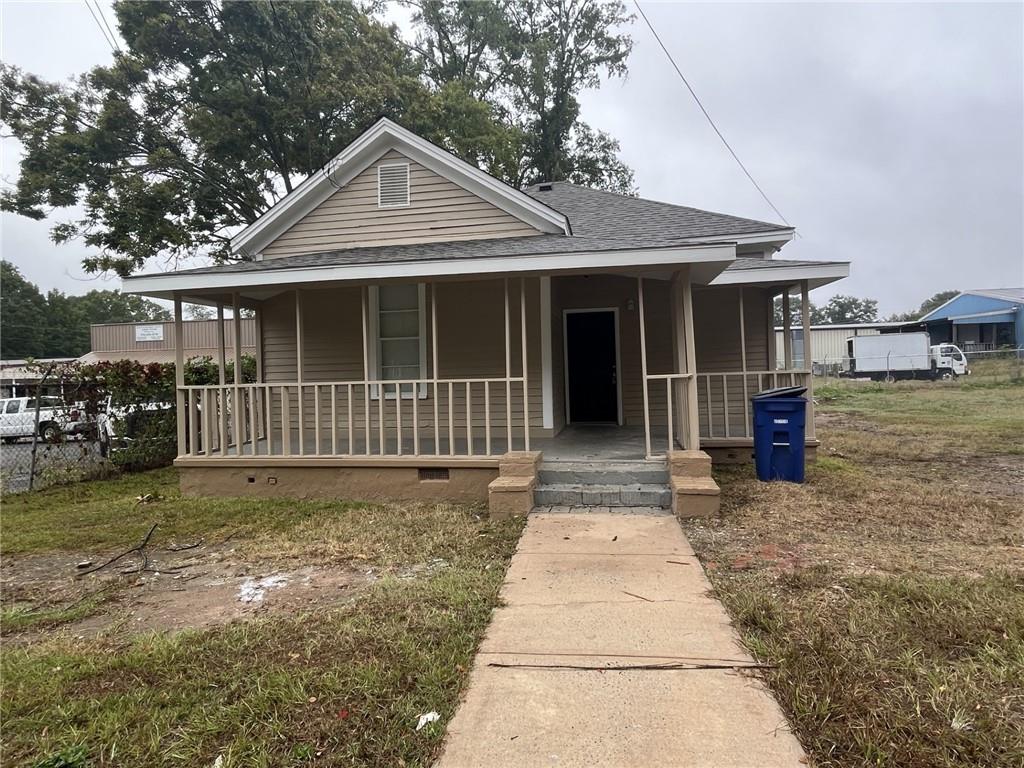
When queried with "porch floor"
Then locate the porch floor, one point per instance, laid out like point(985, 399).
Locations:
point(576, 442)
point(598, 442)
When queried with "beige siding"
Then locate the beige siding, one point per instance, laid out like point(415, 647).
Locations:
point(115, 341)
point(438, 211)
point(471, 334)
point(717, 337)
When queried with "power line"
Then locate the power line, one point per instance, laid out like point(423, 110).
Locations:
point(708, 116)
point(99, 24)
point(103, 17)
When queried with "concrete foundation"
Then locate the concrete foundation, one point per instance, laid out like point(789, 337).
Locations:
point(376, 483)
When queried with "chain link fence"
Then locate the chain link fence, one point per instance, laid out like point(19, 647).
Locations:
point(95, 420)
point(985, 366)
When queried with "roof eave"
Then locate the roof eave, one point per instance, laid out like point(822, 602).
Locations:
point(816, 275)
point(715, 257)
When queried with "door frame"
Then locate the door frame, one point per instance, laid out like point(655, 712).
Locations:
point(565, 361)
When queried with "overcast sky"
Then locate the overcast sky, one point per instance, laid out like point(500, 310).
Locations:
point(891, 135)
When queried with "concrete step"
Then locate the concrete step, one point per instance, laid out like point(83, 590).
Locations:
point(603, 473)
point(605, 495)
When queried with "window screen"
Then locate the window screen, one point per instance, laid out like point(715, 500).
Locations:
point(398, 350)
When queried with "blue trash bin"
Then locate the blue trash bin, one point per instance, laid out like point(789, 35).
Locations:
point(779, 421)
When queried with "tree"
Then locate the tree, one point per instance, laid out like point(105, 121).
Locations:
point(796, 312)
point(214, 110)
point(530, 59)
point(57, 325)
point(848, 309)
point(210, 114)
point(198, 312)
point(22, 312)
point(927, 306)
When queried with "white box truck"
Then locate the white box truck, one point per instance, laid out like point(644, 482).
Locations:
point(896, 356)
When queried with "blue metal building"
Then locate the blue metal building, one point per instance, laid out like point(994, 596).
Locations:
point(979, 319)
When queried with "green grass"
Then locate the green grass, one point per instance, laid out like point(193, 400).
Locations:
point(339, 686)
point(914, 671)
point(888, 590)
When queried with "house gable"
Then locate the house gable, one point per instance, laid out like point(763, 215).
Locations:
point(437, 210)
point(353, 161)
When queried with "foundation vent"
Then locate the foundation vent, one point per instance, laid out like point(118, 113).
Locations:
point(433, 473)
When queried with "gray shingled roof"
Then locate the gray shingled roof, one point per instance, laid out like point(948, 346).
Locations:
point(596, 213)
point(747, 263)
point(601, 221)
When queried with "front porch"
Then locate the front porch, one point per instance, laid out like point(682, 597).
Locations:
point(497, 372)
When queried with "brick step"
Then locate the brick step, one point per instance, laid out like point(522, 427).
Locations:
point(603, 473)
point(604, 495)
point(695, 496)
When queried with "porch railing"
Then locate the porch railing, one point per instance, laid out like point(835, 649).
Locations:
point(477, 417)
point(723, 398)
point(666, 397)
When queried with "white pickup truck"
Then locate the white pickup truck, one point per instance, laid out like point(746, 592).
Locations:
point(18, 419)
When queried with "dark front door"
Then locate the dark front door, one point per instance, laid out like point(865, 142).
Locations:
point(590, 354)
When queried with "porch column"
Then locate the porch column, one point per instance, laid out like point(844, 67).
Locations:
point(526, 378)
point(238, 396)
point(300, 358)
point(743, 362)
point(222, 398)
point(508, 372)
point(547, 375)
point(221, 346)
point(773, 352)
point(236, 310)
point(364, 316)
point(434, 374)
point(805, 317)
point(643, 363)
point(258, 400)
point(693, 418)
point(179, 373)
point(679, 355)
point(787, 331)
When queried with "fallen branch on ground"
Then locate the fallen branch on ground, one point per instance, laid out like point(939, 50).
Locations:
point(140, 549)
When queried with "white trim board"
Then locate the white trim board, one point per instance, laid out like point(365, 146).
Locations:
point(818, 275)
point(618, 359)
point(547, 383)
point(383, 136)
point(717, 257)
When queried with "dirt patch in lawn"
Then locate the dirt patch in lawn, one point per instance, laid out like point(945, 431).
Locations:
point(197, 588)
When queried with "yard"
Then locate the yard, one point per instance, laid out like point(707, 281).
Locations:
point(259, 633)
point(888, 592)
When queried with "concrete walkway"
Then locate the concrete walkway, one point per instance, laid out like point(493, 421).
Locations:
point(610, 590)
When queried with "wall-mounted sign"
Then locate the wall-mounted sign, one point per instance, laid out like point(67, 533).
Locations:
point(149, 333)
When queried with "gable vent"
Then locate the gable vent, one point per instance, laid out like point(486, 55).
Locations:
point(393, 185)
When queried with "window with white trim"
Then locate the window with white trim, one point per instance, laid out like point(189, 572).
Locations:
point(393, 185)
point(398, 322)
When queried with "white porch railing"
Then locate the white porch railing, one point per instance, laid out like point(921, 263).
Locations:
point(478, 417)
point(666, 399)
point(723, 398)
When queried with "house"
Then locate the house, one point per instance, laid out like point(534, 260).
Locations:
point(827, 341)
point(979, 320)
point(424, 330)
point(154, 342)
